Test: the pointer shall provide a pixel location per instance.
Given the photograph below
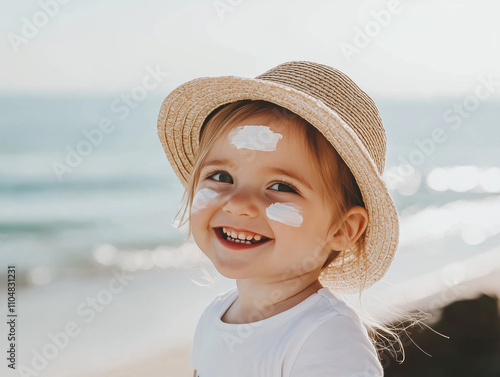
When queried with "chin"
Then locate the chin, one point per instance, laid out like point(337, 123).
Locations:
point(232, 270)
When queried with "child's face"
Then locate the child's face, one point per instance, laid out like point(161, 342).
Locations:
point(245, 196)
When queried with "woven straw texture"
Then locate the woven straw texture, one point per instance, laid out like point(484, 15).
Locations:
point(339, 109)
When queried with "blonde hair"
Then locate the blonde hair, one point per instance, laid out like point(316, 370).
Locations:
point(339, 187)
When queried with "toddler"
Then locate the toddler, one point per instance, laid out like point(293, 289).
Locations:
point(283, 194)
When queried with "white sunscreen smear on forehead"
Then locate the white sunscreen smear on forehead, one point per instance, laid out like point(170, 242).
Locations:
point(286, 213)
point(203, 199)
point(258, 138)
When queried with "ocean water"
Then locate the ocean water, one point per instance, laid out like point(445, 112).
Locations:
point(122, 195)
point(69, 231)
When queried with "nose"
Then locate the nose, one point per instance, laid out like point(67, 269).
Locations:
point(241, 203)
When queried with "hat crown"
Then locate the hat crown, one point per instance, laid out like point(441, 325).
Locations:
point(338, 92)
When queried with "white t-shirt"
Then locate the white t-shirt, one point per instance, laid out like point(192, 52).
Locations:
point(318, 337)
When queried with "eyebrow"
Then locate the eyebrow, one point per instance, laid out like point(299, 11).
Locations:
point(275, 170)
point(222, 162)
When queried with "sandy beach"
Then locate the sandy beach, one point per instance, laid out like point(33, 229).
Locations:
point(170, 364)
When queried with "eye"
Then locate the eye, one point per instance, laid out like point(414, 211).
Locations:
point(285, 187)
point(220, 176)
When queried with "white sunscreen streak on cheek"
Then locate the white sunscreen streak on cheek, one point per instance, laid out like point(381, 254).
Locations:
point(286, 213)
point(258, 138)
point(203, 198)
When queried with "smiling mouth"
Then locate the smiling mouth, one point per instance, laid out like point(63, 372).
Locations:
point(257, 239)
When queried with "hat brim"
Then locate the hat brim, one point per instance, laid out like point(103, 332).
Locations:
point(184, 111)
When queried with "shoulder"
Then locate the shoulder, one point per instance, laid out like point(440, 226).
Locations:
point(219, 304)
point(326, 307)
point(338, 344)
point(212, 312)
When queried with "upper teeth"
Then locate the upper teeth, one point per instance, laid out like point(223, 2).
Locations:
point(241, 236)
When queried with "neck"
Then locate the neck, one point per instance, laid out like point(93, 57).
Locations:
point(260, 300)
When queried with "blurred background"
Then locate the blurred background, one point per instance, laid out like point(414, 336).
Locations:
point(105, 284)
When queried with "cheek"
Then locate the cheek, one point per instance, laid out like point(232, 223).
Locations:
point(286, 213)
point(203, 199)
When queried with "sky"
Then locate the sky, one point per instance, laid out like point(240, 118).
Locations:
point(394, 49)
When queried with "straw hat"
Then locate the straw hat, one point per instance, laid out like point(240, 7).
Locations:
point(338, 108)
